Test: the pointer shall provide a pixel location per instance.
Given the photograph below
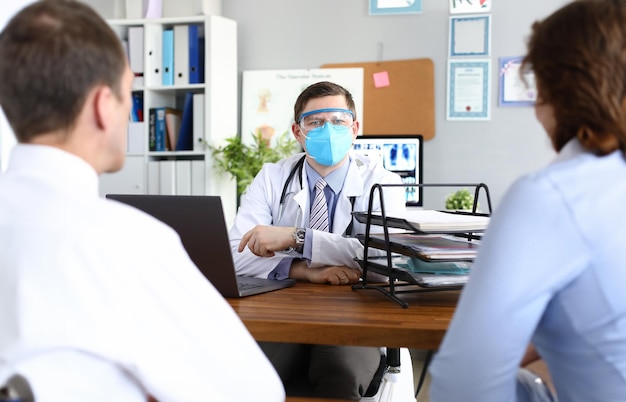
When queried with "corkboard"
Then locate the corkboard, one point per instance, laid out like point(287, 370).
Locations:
point(406, 105)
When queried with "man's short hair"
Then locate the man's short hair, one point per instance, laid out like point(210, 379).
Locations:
point(319, 90)
point(52, 53)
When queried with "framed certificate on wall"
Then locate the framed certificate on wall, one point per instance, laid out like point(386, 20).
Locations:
point(386, 7)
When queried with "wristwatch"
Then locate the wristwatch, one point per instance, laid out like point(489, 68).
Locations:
point(298, 237)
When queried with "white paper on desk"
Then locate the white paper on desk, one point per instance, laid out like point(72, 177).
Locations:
point(430, 220)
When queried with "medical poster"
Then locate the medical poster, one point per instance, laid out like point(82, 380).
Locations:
point(268, 97)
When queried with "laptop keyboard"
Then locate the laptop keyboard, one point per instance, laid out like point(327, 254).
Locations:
point(247, 285)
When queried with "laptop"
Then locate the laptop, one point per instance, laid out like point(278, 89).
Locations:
point(199, 221)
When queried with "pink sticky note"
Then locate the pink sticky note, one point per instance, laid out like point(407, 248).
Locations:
point(381, 79)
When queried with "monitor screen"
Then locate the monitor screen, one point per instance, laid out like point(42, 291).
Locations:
point(401, 154)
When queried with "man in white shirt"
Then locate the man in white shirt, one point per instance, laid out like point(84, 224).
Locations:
point(98, 301)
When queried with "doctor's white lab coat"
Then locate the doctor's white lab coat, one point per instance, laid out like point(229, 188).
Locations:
point(261, 205)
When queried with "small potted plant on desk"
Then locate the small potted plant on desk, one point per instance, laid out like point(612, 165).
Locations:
point(243, 161)
point(462, 200)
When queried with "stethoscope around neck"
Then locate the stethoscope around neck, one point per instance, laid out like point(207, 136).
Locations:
point(297, 169)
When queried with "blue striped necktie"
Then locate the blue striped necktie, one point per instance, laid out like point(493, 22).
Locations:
point(319, 211)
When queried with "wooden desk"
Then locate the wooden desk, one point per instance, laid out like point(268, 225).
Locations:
point(338, 315)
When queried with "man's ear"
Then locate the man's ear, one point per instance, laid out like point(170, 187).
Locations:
point(295, 130)
point(102, 106)
point(355, 129)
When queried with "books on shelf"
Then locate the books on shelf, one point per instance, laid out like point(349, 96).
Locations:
point(428, 246)
point(185, 136)
point(137, 108)
point(172, 127)
point(157, 130)
point(431, 221)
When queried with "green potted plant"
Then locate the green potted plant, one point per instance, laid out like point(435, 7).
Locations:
point(460, 200)
point(243, 161)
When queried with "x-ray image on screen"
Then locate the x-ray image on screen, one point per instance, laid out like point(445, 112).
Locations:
point(401, 154)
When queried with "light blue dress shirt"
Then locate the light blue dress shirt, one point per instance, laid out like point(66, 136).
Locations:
point(551, 271)
point(334, 181)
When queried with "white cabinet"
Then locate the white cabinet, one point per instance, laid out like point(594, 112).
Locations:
point(197, 174)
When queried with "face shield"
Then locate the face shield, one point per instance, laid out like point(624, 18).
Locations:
point(318, 118)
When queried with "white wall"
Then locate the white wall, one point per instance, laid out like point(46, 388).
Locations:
point(285, 34)
point(7, 139)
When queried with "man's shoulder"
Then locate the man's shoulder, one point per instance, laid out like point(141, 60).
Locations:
point(286, 164)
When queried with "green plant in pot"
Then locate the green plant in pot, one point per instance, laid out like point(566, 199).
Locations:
point(243, 161)
point(460, 200)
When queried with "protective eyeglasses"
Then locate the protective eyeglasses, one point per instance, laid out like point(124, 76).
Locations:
point(317, 118)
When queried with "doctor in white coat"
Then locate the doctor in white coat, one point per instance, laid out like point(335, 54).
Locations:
point(272, 236)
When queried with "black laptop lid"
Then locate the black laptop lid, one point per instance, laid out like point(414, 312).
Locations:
point(200, 223)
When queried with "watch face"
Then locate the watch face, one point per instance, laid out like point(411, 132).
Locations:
point(298, 235)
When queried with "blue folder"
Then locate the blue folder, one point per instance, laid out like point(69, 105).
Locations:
point(168, 57)
point(196, 55)
point(185, 137)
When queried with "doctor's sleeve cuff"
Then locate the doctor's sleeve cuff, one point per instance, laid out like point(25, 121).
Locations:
point(307, 250)
point(282, 269)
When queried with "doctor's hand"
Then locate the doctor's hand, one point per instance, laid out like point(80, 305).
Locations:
point(264, 240)
point(332, 275)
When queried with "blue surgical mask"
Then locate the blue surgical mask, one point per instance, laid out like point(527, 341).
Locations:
point(329, 144)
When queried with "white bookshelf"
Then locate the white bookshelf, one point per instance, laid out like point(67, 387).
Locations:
point(220, 111)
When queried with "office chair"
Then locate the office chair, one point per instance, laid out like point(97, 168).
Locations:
point(396, 382)
point(391, 383)
point(16, 389)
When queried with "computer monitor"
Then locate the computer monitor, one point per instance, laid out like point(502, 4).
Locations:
point(401, 154)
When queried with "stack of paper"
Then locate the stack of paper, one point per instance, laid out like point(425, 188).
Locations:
point(438, 222)
point(429, 247)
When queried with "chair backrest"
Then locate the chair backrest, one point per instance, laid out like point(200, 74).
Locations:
point(16, 389)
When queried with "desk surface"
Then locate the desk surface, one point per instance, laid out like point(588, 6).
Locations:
point(338, 315)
